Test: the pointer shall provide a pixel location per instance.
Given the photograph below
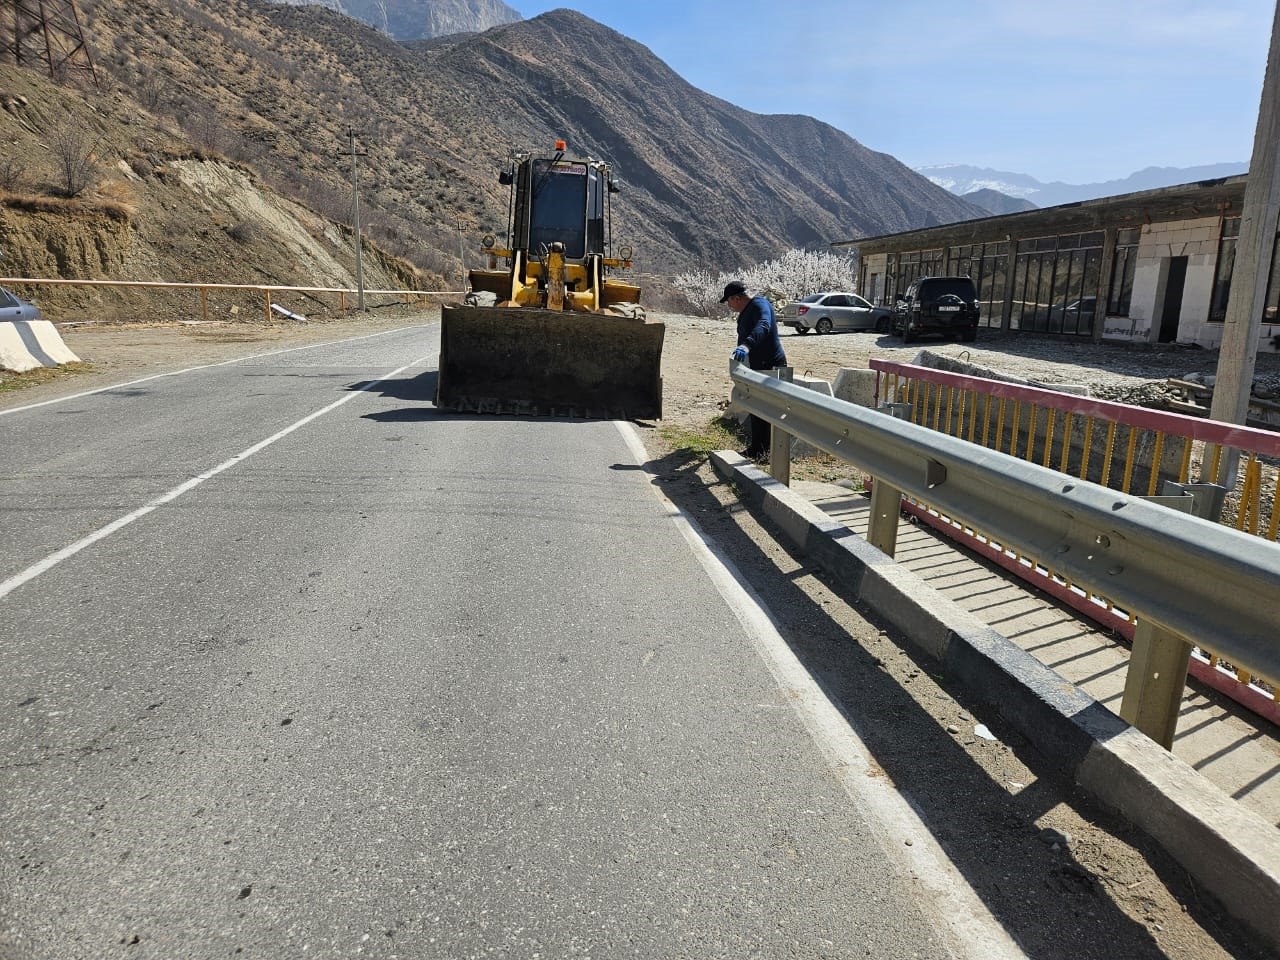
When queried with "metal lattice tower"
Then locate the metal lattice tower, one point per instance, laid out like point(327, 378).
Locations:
point(48, 32)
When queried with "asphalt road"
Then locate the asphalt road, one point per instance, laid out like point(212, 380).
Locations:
point(294, 666)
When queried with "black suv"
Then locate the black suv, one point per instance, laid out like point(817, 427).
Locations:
point(942, 305)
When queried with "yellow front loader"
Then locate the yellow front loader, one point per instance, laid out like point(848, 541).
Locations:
point(550, 333)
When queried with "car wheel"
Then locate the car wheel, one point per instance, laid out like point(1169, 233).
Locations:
point(882, 325)
point(969, 335)
point(824, 325)
point(908, 335)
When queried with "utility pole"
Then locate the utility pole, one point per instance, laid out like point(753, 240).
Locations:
point(355, 213)
point(462, 258)
point(1259, 221)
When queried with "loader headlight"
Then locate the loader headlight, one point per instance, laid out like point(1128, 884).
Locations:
point(625, 251)
point(487, 241)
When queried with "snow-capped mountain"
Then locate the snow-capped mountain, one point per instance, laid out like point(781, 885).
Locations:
point(962, 179)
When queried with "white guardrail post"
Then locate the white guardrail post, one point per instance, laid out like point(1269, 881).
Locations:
point(780, 440)
point(1196, 580)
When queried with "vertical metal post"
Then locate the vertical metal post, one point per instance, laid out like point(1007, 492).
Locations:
point(1011, 264)
point(1154, 685)
point(266, 303)
point(462, 262)
point(204, 303)
point(780, 440)
point(1157, 675)
point(1103, 292)
point(886, 500)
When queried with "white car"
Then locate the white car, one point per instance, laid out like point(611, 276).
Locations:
point(13, 307)
point(833, 312)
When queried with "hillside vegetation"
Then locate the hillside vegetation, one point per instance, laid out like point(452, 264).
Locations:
point(268, 94)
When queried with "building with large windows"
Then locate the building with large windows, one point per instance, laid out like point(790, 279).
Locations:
point(1152, 266)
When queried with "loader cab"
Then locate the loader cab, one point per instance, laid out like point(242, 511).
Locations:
point(560, 201)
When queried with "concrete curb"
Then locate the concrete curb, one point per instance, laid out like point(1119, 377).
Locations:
point(1231, 851)
point(27, 344)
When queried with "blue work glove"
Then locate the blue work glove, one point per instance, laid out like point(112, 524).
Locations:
point(740, 354)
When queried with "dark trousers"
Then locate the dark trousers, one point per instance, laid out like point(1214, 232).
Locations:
point(760, 431)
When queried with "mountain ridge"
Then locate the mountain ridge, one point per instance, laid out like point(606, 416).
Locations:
point(420, 19)
point(277, 87)
point(963, 179)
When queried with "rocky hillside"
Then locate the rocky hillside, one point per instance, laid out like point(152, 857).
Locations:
point(156, 210)
point(421, 19)
point(274, 89)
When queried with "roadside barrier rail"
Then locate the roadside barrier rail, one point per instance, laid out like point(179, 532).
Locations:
point(1185, 580)
point(1122, 447)
point(266, 291)
point(1117, 445)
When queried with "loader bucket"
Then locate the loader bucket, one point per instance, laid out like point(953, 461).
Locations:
point(524, 360)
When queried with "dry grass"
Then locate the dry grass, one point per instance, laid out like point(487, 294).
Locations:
point(11, 382)
point(69, 206)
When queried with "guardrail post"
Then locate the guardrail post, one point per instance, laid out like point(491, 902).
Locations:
point(204, 303)
point(1157, 675)
point(1154, 684)
point(266, 304)
point(886, 501)
point(780, 440)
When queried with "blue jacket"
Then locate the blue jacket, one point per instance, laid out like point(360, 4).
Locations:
point(758, 332)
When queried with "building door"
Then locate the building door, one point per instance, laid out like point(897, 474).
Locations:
point(1173, 299)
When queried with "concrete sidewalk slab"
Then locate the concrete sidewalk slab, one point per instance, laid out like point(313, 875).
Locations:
point(1232, 850)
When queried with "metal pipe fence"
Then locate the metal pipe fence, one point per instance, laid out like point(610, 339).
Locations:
point(267, 292)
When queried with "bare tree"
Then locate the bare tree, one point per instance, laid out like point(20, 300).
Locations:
point(73, 160)
point(12, 171)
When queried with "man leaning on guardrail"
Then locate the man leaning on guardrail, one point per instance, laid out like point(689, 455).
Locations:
point(760, 347)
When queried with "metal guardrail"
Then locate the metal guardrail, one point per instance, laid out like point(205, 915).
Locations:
point(1183, 577)
point(1122, 447)
point(265, 290)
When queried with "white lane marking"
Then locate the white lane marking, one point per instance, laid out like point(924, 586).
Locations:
point(206, 366)
point(26, 576)
point(959, 915)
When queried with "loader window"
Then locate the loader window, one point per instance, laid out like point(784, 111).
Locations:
point(559, 207)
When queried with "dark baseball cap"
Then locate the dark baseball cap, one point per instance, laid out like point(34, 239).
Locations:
point(734, 288)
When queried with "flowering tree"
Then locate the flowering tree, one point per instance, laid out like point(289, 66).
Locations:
point(795, 274)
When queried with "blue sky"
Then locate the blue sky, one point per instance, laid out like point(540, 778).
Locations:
point(1071, 90)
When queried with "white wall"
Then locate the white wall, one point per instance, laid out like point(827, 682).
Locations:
point(1197, 240)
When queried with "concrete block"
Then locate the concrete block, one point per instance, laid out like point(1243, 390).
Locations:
point(799, 448)
point(812, 383)
point(856, 386)
point(14, 354)
point(1232, 851)
point(27, 344)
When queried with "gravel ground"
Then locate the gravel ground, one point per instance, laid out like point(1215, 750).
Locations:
point(696, 361)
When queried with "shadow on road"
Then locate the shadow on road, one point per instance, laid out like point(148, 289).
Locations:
point(1054, 902)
